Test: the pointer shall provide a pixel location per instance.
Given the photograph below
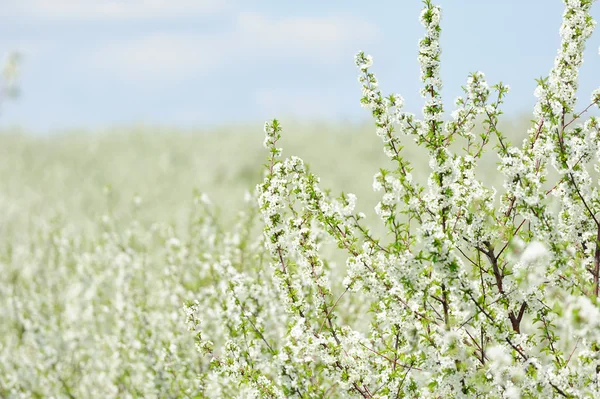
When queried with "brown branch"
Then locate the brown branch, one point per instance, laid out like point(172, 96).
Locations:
point(581, 113)
point(515, 321)
point(331, 310)
point(508, 242)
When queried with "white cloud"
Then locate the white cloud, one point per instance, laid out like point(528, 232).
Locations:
point(109, 9)
point(318, 36)
point(165, 56)
point(255, 39)
point(302, 103)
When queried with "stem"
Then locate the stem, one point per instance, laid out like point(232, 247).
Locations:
point(596, 273)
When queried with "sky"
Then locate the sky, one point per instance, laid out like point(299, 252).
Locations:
point(198, 63)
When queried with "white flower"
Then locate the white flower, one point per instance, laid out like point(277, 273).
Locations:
point(534, 251)
point(596, 97)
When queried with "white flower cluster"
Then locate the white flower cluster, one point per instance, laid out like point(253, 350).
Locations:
point(468, 297)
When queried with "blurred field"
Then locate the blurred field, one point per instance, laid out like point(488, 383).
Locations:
point(80, 176)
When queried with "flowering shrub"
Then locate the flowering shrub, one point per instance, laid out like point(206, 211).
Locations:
point(471, 294)
point(10, 73)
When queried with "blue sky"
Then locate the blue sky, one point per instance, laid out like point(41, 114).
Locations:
point(194, 63)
